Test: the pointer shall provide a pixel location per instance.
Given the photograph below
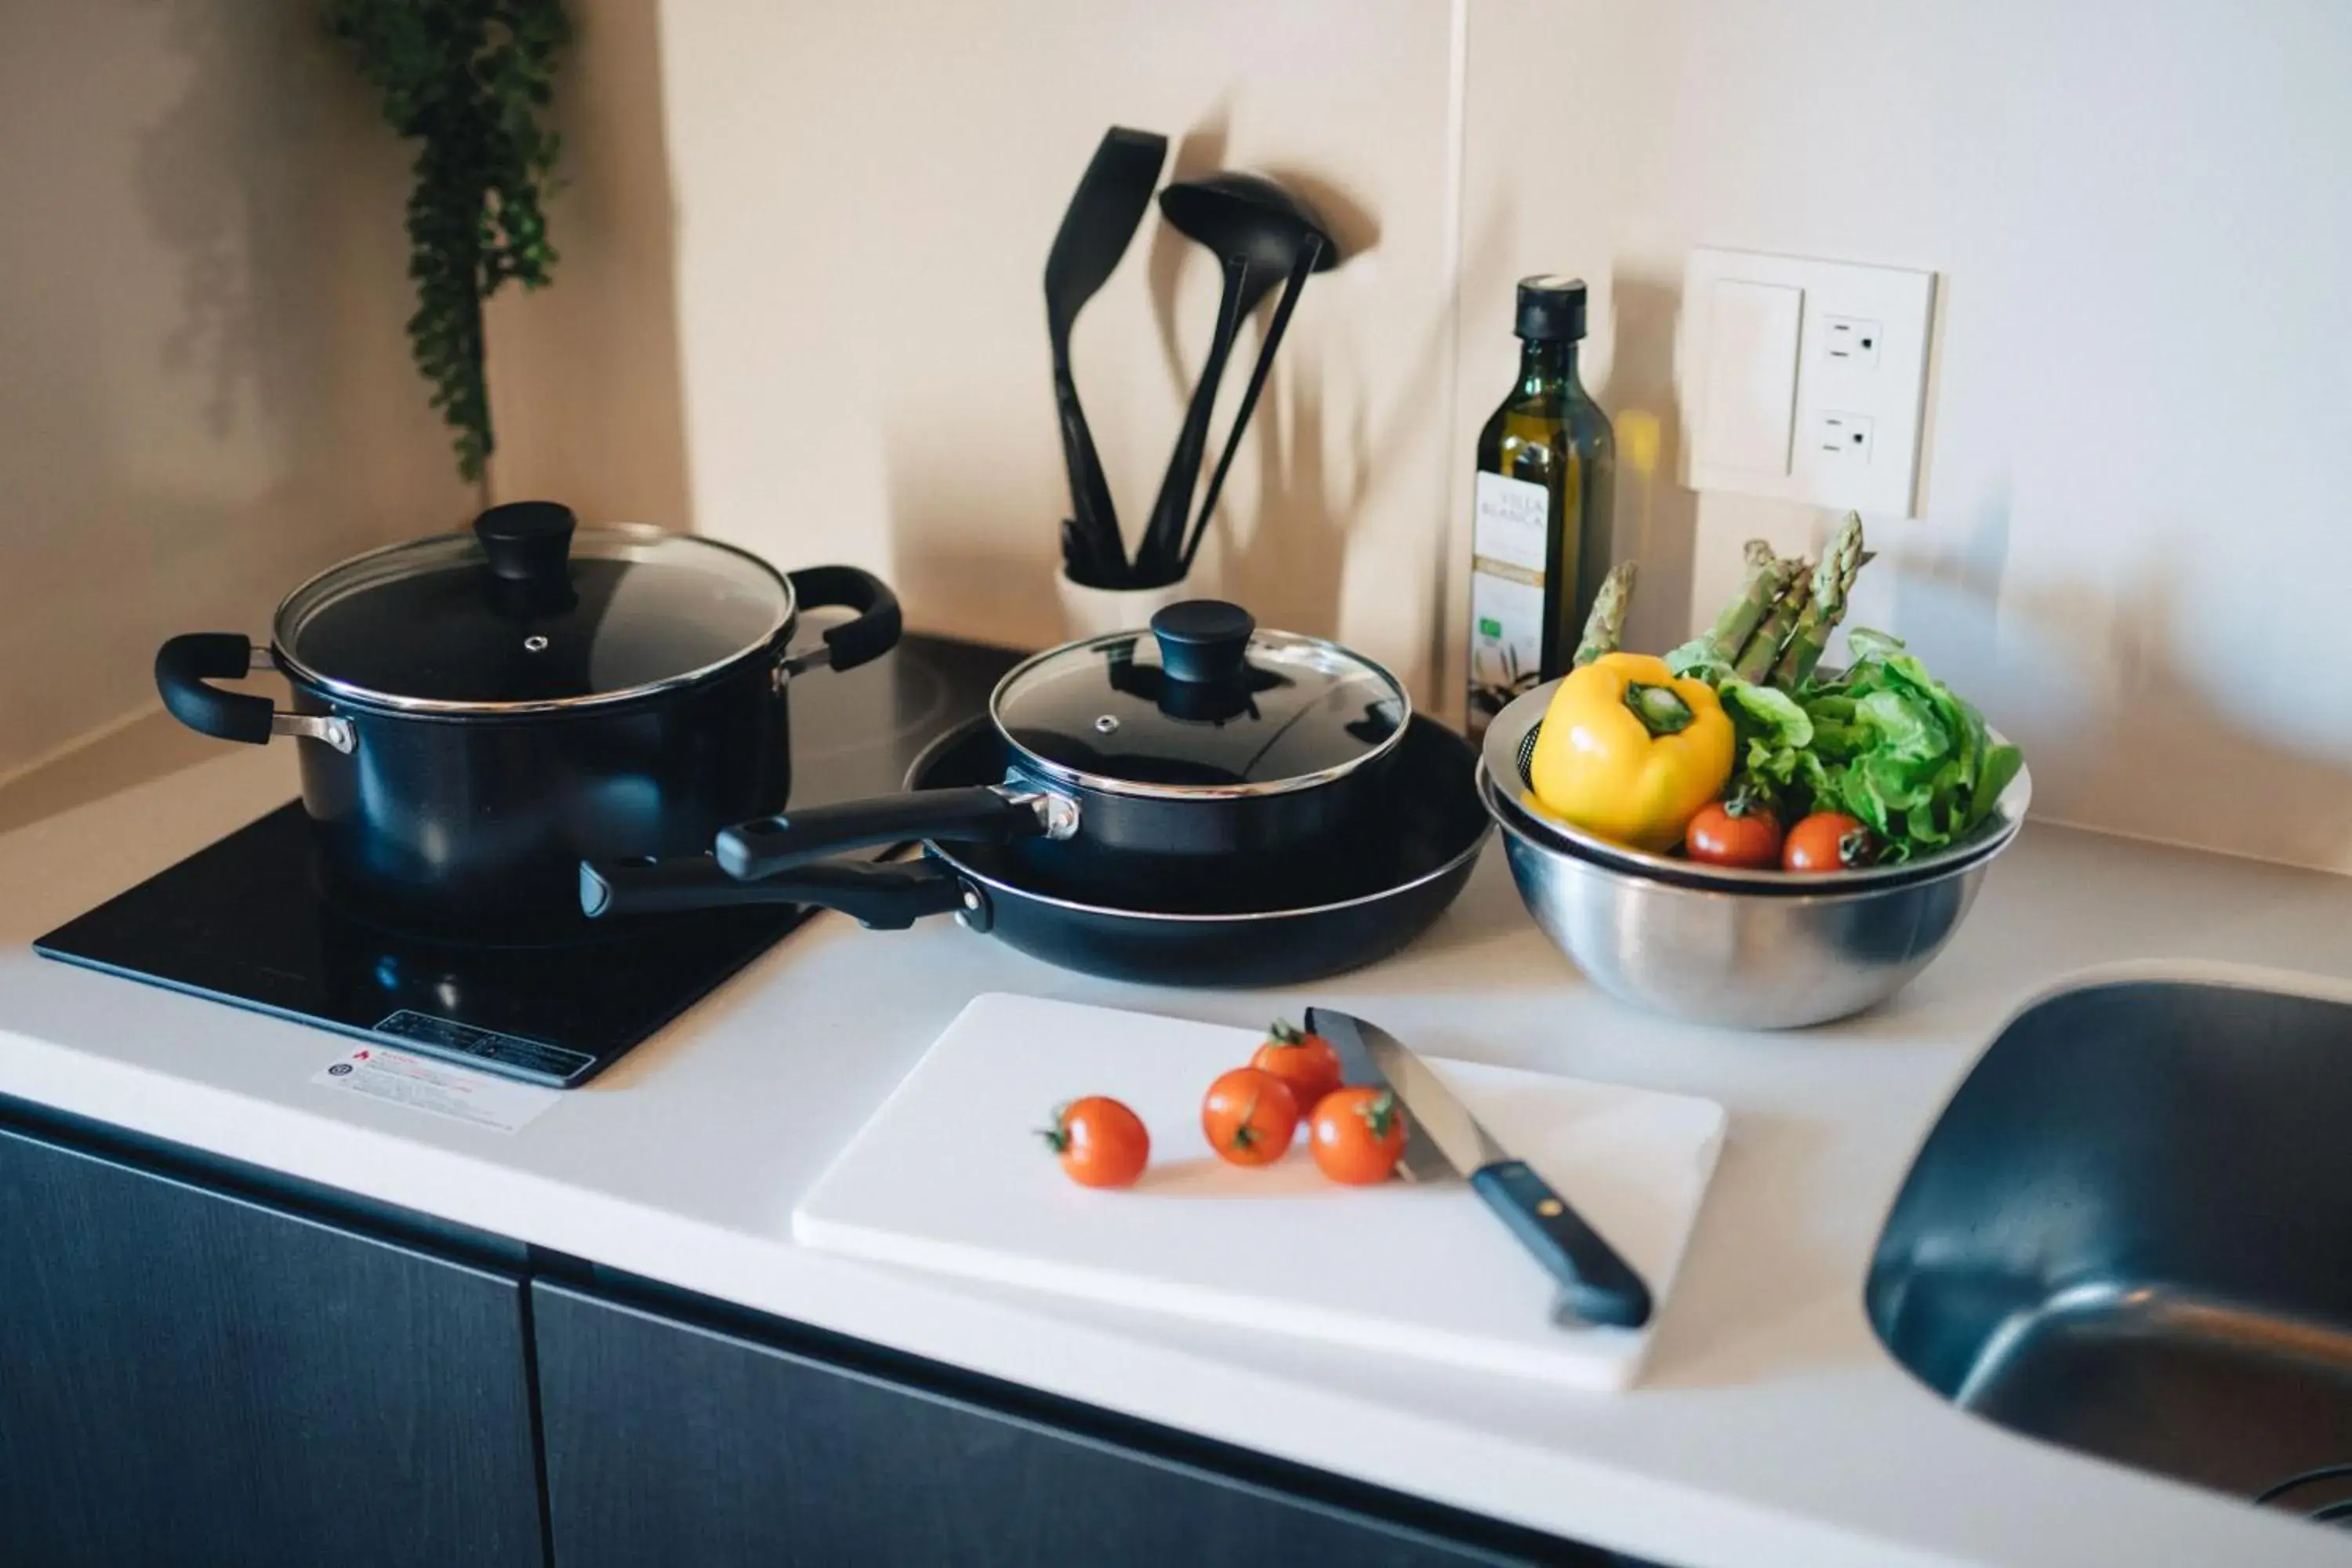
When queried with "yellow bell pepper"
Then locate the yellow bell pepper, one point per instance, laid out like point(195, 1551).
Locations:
point(1630, 751)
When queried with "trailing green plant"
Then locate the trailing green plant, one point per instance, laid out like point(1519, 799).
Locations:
point(466, 80)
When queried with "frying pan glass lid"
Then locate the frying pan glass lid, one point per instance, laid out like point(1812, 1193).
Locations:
point(1205, 699)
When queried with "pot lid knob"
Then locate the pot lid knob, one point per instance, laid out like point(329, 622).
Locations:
point(1203, 640)
point(527, 540)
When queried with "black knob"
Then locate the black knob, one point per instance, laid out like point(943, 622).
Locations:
point(527, 540)
point(1203, 640)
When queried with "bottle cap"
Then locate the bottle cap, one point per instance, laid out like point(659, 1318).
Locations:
point(1551, 308)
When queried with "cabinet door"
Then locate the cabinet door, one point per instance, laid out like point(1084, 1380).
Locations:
point(190, 1378)
point(670, 1443)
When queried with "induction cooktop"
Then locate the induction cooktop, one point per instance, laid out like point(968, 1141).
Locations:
point(240, 921)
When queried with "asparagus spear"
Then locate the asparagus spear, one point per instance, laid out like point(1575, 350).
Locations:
point(1756, 659)
point(1605, 626)
point(1824, 606)
point(1720, 644)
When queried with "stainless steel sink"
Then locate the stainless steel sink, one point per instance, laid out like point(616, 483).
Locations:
point(2130, 1233)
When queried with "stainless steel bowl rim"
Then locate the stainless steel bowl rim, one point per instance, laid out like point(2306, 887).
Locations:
point(1498, 760)
point(1786, 888)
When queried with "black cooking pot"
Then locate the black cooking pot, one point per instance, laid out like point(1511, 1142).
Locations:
point(478, 712)
point(1158, 762)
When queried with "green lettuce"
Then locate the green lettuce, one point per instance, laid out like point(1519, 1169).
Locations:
point(1885, 742)
point(1901, 751)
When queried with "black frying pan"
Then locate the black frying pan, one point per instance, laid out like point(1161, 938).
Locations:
point(1416, 850)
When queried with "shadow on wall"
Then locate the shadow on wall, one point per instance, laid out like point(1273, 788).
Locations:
point(196, 205)
point(2169, 745)
point(1656, 518)
point(587, 383)
point(979, 557)
point(207, 394)
point(2124, 725)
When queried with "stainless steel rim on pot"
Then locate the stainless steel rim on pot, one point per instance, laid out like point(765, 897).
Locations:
point(1146, 755)
point(490, 706)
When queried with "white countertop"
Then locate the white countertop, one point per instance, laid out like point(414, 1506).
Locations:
point(1772, 1428)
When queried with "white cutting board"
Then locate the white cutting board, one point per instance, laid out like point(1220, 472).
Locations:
point(950, 1175)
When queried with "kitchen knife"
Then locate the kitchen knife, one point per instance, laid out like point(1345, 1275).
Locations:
point(1597, 1284)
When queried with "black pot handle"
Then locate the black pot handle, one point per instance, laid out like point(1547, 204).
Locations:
point(993, 813)
point(883, 897)
point(874, 633)
point(185, 665)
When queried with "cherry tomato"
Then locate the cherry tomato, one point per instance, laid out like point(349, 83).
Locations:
point(1735, 831)
point(1827, 841)
point(1102, 1144)
point(1357, 1135)
point(1304, 1061)
point(1249, 1116)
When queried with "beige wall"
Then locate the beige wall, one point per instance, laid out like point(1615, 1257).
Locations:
point(799, 307)
point(584, 373)
point(2131, 552)
point(2134, 553)
point(866, 194)
point(204, 385)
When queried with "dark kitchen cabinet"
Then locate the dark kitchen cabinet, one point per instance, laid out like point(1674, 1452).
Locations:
point(202, 1363)
point(192, 1376)
point(672, 1442)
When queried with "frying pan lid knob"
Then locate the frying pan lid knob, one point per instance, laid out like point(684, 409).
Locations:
point(1203, 640)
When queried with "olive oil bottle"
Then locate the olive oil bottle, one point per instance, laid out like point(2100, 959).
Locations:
point(1540, 530)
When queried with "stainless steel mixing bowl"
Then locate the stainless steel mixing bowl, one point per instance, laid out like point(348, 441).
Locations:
point(1750, 950)
point(1747, 960)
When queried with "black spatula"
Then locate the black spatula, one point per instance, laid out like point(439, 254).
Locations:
point(1103, 214)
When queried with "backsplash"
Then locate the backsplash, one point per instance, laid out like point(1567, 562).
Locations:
point(800, 308)
point(2130, 543)
point(208, 394)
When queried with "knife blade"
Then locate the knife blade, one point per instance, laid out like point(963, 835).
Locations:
point(1599, 1285)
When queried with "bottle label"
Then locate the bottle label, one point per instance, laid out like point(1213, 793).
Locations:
point(1511, 518)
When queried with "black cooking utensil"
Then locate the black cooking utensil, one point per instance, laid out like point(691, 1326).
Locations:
point(1102, 217)
point(1309, 256)
point(1154, 564)
point(1239, 217)
point(1253, 929)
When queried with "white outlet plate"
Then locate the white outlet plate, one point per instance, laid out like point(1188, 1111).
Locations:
point(1843, 438)
point(1775, 346)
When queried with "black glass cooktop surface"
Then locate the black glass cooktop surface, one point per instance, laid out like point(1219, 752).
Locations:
point(240, 920)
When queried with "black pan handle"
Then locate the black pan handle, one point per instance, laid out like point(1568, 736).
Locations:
point(990, 814)
point(185, 665)
point(884, 898)
point(874, 633)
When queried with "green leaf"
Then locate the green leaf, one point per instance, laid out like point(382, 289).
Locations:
point(1998, 769)
point(1767, 712)
point(1903, 727)
point(465, 80)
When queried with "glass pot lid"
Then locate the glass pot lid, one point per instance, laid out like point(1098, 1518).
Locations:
point(1203, 704)
point(527, 611)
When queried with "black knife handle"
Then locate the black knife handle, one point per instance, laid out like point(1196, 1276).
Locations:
point(1601, 1287)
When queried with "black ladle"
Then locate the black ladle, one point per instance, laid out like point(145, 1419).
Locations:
point(1259, 232)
